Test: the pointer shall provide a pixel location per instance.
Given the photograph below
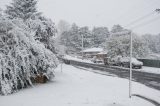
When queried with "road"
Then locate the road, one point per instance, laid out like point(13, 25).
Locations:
point(149, 79)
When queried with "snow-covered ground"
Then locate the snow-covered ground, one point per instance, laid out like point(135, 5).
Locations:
point(150, 69)
point(144, 68)
point(77, 87)
point(77, 59)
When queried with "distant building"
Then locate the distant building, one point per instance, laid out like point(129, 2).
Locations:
point(91, 52)
point(101, 55)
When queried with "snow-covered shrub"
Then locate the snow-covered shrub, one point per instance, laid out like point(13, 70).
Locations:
point(21, 56)
point(45, 61)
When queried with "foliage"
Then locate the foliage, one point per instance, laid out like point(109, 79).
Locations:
point(63, 26)
point(99, 35)
point(44, 30)
point(23, 9)
point(120, 45)
point(153, 42)
point(117, 28)
point(72, 39)
point(24, 39)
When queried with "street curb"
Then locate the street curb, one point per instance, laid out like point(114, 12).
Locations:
point(148, 99)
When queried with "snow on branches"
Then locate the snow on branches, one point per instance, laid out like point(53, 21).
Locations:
point(22, 58)
point(44, 30)
point(23, 9)
point(120, 45)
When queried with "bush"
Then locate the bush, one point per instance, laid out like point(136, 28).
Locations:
point(22, 57)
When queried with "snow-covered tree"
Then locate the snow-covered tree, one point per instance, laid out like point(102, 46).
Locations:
point(153, 42)
point(22, 57)
point(117, 28)
point(72, 39)
point(99, 36)
point(44, 30)
point(120, 45)
point(23, 9)
point(87, 36)
point(0, 12)
point(62, 26)
point(158, 43)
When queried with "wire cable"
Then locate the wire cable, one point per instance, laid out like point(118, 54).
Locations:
point(139, 19)
point(135, 12)
point(145, 23)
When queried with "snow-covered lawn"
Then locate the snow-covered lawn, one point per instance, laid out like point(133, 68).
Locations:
point(77, 87)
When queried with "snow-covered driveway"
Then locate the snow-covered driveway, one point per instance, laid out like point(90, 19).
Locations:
point(77, 87)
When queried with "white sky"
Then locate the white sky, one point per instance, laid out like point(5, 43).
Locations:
point(101, 12)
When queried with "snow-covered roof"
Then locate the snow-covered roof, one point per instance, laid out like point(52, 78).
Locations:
point(103, 52)
point(93, 50)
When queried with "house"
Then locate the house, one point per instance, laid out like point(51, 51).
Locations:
point(101, 55)
point(91, 52)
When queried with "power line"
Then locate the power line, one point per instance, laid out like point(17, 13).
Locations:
point(137, 11)
point(148, 22)
point(141, 24)
point(139, 19)
point(143, 17)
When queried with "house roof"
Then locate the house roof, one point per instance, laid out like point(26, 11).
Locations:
point(93, 50)
point(103, 52)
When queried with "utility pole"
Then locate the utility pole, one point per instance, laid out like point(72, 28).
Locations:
point(82, 45)
point(130, 71)
point(61, 66)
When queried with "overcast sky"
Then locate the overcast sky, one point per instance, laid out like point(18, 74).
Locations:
point(102, 13)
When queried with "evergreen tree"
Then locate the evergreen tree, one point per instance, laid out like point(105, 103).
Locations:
point(62, 27)
point(72, 39)
point(23, 9)
point(87, 36)
point(117, 28)
point(22, 58)
point(99, 35)
point(25, 38)
point(43, 28)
